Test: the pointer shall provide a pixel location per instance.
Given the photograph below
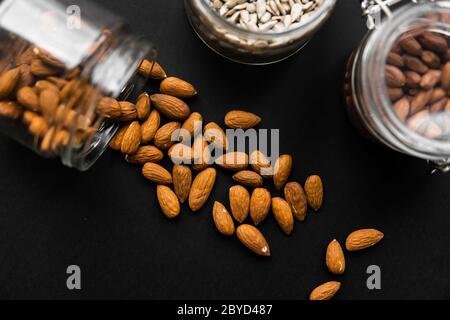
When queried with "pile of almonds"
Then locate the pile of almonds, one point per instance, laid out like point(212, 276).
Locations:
point(145, 139)
point(418, 81)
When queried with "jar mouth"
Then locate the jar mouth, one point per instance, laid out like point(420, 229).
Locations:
point(374, 56)
point(325, 7)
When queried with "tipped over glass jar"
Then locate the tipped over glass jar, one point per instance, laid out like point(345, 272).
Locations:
point(257, 31)
point(397, 82)
point(58, 59)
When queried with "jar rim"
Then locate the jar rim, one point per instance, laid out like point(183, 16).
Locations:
point(323, 9)
point(374, 57)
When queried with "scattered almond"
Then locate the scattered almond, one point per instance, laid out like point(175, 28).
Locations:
point(131, 139)
point(248, 178)
point(182, 181)
point(362, 239)
point(282, 171)
point(239, 203)
point(156, 173)
point(260, 203)
point(335, 258)
point(241, 120)
point(167, 135)
point(253, 239)
point(222, 219)
point(295, 196)
point(314, 192)
point(215, 135)
point(189, 124)
point(145, 154)
point(201, 188)
point(325, 291)
point(168, 201)
point(171, 107)
point(128, 111)
point(150, 126)
point(261, 164)
point(116, 141)
point(143, 106)
point(234, 161)
point(177, 87)
point(283, 214)
point(152, 69)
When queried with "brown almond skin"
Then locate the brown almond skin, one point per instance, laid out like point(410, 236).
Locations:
point(215, 135)
point(253, 239)
point(26, 77)
point(200, 153)
point(168, 201)
point(132, 139)
point(150, 126)
point(201, 188)
point(152, 70)
point(282, 171)
point(283, 214)
point(234, 161)
point(314, 192)
point(394, 77)
point(238, 119)
point(180, 153)
point(49, 101)
point(411, 46)
point(8, 82)
point(431, 59)
point(430, 79)
point(145, 154)
point(325, 291)
point(143, 106)
point(415, 64)
point(395, 59)
point(413, 79)
point(260, 204)
point(433, 42)
point(261, 164)
point(223, 220)
point(296, 197)
point(239, 203)
point(177, 87)
point(445, 81)
point(402, 108)
point(182, 181)
point(172, 107)
point(335, 259)
point(9, 109)
point(248, 178)
point(40, 69)
point(38, 126)
point(128, 111)
point(395, 93)
point(189, 124)
point(28, 98)
point(163, 137)
point(156, 173)
point(116, 141)
point(362, 239)
point(419, 102)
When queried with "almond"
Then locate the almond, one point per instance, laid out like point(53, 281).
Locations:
point(201, 154)
point(413, 79)
point(325, 291)
point(201, 188)
point(335, 258)
point(47, 140)
point(28, 116)
point(150, 126)
point(411, 46)
point(131, 139)
point(167, 135)
point(431, 59)
point(314, 192)
point(283, 214)
point(222, 219)
point(48, 102)
point(260, 204)
point(116, 141)
point(180, 153)
point(40, 69)
point(28, 98)
point(234, 161)
point(394, 77)
point(402, 108)
point(239, 203)
point(168, 201)
point(109, 108)
point(415, 64)
point(67, 90)
point(241, 120)
point(362, 239)
point(145, 154)
point(143, 106)
point(248, 178)
point(282, 171)
point(261, 164)
point(430, 79)
point(58, 82)
point(445, 81)
point(9, 109)
point(128, 111)
point(26, 77)
point(8, 82)
point(156, 173)
point(42, 85)
point(152, 69)
point(171, 107)
point(50, 60)
point(433, 41)
point(61, 139)
point(177, 87)
point(295, 196)
point(193, 124)
point(182, 181)
point(419, 102)
point(215, 135)
point(38, 126)
point(253, 239)
point(26, 57)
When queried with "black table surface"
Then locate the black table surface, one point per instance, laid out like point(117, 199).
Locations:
point(107, 220)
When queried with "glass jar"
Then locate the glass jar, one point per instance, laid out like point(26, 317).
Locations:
point(58, 58)
point(253, 47)
point(372, 104)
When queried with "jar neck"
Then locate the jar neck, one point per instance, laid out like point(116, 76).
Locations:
point(368, 79)
point(109, 71)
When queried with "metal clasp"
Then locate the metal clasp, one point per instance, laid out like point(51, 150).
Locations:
point(374, 10)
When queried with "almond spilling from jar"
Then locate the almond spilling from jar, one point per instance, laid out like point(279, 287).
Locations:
point(314, 192)
point(248, 178)
point(222, 219)
point(295, 196)
point(260, 204)
point(283, 214)
point(28, 98)
point(325, 291)
point(172, 107)
point(145, 154)
point(335, 259)
point(168, 201)
point(241, 120)
point(182, 181)
point(253, 239)
point(150, 126)
point(177, 87)
point(156, 173)
point(239, 202)
point(282, 171)
point(143, 106)
point(362, 239)
point(152, 70)
point(201, 188)
point(131, 139)
point(128, 111)
point(167, 135)
point(8, 81)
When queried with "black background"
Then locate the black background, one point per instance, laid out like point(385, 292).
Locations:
point(108, 222)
